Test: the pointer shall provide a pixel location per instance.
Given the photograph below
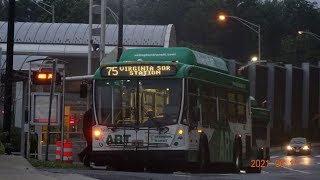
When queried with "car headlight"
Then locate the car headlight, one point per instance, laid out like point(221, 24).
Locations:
point(289, 148)
point(305, 147)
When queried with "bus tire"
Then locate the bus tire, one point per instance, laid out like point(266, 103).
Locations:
point(86, 161)
point(259, 157)
point(203, 154)
point(237, 156)
point(267, 153)
point(254, 170)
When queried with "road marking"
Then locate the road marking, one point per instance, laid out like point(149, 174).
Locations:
point(271, 163)
point(272, 157)
point(264, 172)
point(304, 172)
point(317, 156)
point(318, 163)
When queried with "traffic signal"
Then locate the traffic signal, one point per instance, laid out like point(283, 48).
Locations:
point(44, 78)
point(72, 120)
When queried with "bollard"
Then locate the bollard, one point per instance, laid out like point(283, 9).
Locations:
point(67, 151)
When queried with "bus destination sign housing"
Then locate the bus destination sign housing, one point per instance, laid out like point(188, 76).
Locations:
point(138, 70)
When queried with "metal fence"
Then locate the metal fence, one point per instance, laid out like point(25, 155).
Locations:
point(76, 138)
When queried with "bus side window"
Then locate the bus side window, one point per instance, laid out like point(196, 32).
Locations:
point(223, 105)
point(193, 112)
point(223, 108)
point(185, 119)
point(212, 112)
point(232, 107)
point(192, 86)
point(205, 108)
point(241, 108)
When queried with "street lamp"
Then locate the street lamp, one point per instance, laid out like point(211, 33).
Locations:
point(253, 61)
point(97, 9)
point(37, 2)
point(254, 58)
point(250, 25)
point(310, 33)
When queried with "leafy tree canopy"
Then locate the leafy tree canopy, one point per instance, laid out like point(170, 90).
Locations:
point(197, 26)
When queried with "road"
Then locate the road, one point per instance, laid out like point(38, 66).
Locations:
point(293, 168)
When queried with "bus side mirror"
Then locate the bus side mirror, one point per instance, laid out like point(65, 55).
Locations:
point(83, 90)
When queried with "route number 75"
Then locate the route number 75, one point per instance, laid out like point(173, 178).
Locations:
point(112, 71)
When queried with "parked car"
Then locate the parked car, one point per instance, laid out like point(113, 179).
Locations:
point(298, 146)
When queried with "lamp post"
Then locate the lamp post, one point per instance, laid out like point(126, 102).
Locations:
point(101, 10)
point(43, 8)
point(310, 33)
point(254, 27)
point(120, 31)
point(253, 61)
point(97, 10)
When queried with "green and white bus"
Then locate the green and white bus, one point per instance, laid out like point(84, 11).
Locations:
point(171, 107)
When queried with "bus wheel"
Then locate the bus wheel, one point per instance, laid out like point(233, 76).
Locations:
point(267, 153)
point(203, 157)
point(237, 159)
point(86, 161)
point(257, 169)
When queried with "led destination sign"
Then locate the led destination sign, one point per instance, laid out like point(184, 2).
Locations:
point(138, 70)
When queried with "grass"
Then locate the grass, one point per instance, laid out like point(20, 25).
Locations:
point(41, 164)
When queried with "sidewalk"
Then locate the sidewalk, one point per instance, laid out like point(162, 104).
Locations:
point(279, 148)
point(18, 168)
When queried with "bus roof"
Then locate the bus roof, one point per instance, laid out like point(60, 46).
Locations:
point(189, 63)
point(180, 54)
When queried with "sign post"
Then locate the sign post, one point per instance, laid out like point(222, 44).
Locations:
point(52, 89)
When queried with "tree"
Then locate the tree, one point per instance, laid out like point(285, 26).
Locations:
point(3, 10)
point(196, 25)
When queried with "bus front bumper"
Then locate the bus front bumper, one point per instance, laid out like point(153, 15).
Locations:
point(143, 157)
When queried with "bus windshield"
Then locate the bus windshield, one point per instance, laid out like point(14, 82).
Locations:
point(138, 103)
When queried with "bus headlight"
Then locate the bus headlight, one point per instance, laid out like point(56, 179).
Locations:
point(305, 147)
point(289, 148)
point(97, 133)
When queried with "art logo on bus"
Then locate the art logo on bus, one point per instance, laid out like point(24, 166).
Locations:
point(118, 139)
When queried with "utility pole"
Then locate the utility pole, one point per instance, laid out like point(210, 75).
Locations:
point(52, 90)
point(9, 70)
point(120, 28)
point(89, 50)
point(103, 29)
